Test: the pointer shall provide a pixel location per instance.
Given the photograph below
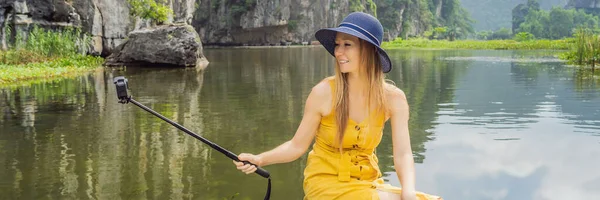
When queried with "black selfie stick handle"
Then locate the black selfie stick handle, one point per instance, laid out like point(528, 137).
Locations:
point(259, 171)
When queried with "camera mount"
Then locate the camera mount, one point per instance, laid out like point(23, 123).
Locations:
point(122, 87)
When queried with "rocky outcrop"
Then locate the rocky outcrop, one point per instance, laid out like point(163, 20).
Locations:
point(183, 10)
point(269, 22)
point(590, 6)
point(518, 16)
point(167, 45)
point(222, 22)
point(107, 21)
point(419, 21)
point(585, 4)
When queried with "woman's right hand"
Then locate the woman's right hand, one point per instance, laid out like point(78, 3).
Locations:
point(248, 168)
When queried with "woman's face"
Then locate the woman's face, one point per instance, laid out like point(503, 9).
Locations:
point(347, 52)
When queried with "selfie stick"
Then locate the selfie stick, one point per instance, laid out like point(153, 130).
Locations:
point(121, 84)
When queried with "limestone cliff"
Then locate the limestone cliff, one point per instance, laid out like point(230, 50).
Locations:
point(585, 4)
point(224, 22)
point(221, 22)
point(107, 21)
point(267, 22)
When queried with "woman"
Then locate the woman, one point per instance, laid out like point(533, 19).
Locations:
point(347, 113)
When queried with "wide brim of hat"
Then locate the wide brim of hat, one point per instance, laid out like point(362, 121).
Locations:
point(326, 37)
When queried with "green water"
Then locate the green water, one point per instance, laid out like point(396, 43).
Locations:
point(484, 125)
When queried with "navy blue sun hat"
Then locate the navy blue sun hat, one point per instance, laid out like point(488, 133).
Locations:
point(361, 25)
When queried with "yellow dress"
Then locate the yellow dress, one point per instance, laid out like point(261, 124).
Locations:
point(353, 174)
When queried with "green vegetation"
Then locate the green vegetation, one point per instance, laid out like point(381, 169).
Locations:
point(495, 14)
point(534, 29)
point(480, 44)
point(524, 36)
point(157, 12)
point(585, 50)
point(529, 21)
point(56, 68)
point(46, 54)
point(413, 18)
point(357, 5)
point(557, 23)
point(501, 34)
point(48, 44)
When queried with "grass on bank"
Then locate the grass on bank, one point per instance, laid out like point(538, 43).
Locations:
point(45, 54)
point(422, 43)
point(55, 68)
point(586, 49)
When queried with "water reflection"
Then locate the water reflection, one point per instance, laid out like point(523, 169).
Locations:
point(492, 128)
point(427, 80)
point(511, 133)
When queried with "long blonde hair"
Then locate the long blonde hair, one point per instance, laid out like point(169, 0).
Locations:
point(375, 92)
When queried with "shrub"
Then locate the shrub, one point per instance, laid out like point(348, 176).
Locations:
point(524, 36)
point(158, 13)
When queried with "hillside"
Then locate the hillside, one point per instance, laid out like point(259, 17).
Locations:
point(494, 14)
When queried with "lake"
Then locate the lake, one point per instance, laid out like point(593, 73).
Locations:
point(484, 125)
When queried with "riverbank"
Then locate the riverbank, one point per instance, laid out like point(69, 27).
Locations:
point(23, 66)
point(54, 68)
point(45, 55)
point(420, 43)
point(261, 47)
point(564, 44)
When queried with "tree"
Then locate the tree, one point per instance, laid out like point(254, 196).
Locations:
point(536, 23)
point(524, 36)
point(518, 16)
point(454, 32)
point(484, 35)
point(440, 32)
point(533, 5)
point(157, 13)
point(502, 34)
point(457, 19)
point(557, 23)
point(417, 16)
point(562, 23)
point(521, 11)
point(581, 18)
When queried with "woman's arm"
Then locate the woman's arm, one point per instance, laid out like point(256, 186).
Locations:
point(402, 152)
point(297, 146)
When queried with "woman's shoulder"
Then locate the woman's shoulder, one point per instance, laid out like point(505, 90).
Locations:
point(322, 91)
point(320, 96)
point(324, 87)
point(393, 93)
